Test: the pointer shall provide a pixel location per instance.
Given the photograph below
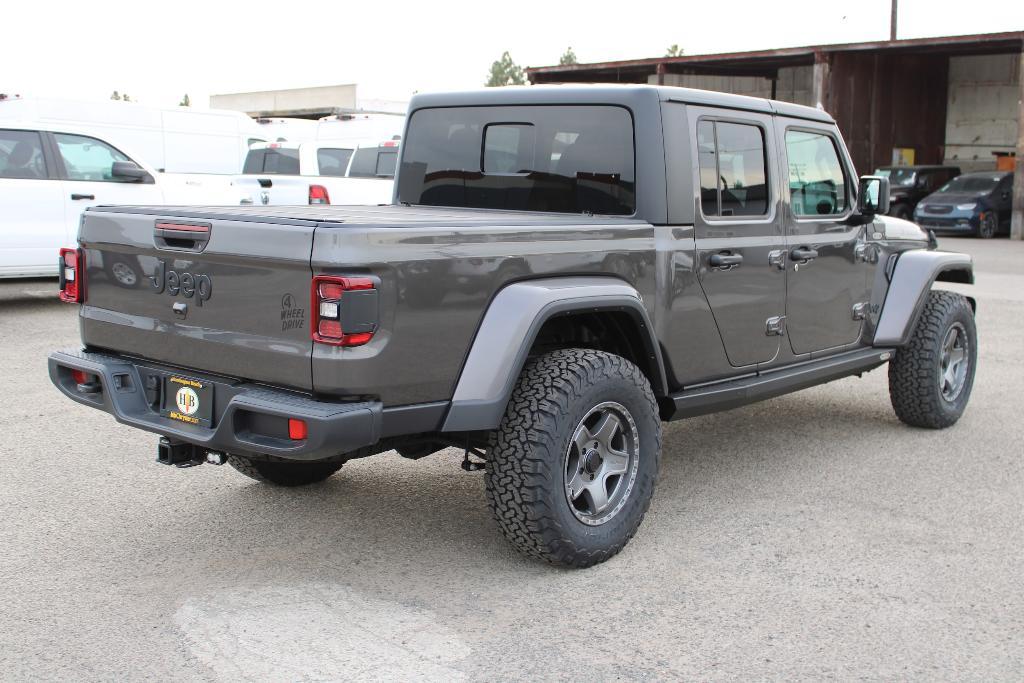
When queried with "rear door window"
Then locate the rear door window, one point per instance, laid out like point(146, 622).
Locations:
point(817, 183)
point(733, 179)
point(571, 159)
point(21, 155)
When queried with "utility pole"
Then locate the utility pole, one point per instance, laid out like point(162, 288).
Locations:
point(892, 21)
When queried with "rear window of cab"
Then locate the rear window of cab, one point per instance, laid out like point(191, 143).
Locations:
point(571, 159)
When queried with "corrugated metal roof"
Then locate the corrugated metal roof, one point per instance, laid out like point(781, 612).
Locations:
point(767, 60)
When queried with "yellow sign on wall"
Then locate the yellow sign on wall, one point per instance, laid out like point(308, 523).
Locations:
point(902, 156)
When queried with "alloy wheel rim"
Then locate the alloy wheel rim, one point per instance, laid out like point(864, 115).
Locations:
point(601, 463)
point(954, 362)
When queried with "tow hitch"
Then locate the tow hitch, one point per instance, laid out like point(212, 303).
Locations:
point(185, 454)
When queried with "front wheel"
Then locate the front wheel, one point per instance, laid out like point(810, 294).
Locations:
point(988, 225)
point(930, 379)
point(903, 211)
point(572, 467)
point(284, 473)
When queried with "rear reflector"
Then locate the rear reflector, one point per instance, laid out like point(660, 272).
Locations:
point(297, 430)
point(71, 275)
point(80, 376)
point(328, 304)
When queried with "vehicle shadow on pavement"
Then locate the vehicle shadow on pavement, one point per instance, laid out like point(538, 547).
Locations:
point(429, 512)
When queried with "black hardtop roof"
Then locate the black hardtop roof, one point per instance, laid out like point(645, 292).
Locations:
point(626, 95)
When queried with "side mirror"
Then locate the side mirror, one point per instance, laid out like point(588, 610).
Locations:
point(873, 196)
point(129, 172)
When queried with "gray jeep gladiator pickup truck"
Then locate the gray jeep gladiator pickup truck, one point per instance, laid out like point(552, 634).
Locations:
point(561, 270)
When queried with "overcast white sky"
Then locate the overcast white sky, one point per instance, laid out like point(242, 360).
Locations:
point(157, 50)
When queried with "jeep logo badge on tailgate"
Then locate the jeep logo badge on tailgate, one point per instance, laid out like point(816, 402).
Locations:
point(186, 284)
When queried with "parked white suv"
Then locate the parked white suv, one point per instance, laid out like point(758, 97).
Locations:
point(49, 175)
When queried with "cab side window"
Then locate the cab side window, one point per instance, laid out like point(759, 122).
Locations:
point(817, 185)
point(21, 155)
point(88, 158)
point(733, 179)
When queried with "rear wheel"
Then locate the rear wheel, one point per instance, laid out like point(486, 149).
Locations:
point(930, 380)
point(284, 473)
point(572, 467)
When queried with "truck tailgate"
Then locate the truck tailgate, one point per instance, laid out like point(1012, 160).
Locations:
point(236, 305)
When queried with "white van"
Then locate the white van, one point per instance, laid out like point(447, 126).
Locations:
point(175, 140)
point(49, 174)
point(351, 128)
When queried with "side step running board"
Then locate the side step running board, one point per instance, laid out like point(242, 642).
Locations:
point(733, 394)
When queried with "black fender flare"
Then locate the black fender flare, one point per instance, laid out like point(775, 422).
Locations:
point(912, 278)
point(509, 328)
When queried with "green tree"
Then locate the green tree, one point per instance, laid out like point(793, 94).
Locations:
point(185, 101)
point(505, 72)
point(568, 57)
point(674, 51)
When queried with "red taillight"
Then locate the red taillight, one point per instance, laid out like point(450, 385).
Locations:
point(297, 429)
point(80, 376)
point(318, 195)
point(327, 301)
point(71, 275)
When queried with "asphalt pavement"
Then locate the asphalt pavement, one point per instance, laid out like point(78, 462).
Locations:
point(811, 536)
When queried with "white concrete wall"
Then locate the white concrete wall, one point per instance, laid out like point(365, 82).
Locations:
point(795, 84)
point(326, 97)
point(981, 112)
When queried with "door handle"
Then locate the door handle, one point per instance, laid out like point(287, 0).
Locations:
point(75, 196)
point(725, 260)
point(803, 254)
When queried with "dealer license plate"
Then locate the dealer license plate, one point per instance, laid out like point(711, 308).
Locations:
point(188, 400)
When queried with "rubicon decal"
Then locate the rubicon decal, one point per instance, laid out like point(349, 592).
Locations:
point(188, 285)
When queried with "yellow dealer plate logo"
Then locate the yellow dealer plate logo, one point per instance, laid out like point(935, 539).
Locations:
point(187, 400)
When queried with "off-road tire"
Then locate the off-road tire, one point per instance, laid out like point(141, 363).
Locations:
point(284, 473)
point(525, 475)
point(914, 373)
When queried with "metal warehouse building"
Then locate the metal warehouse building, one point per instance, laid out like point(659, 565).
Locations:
point(956, 100)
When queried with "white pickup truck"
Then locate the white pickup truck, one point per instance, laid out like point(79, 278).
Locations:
point(50, 174)
point(318, 172)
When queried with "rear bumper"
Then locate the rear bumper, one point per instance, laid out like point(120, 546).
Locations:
point(247, 419)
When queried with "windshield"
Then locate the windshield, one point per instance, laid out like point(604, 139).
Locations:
point(569, 159)
point(904, 177)
point(974, 184)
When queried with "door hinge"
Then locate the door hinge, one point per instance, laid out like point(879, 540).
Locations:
point(775, 327)
point(777, 258)
point(860, 311)
point(865, 253)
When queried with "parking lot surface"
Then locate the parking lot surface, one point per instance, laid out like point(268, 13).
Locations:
point(809, 536)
